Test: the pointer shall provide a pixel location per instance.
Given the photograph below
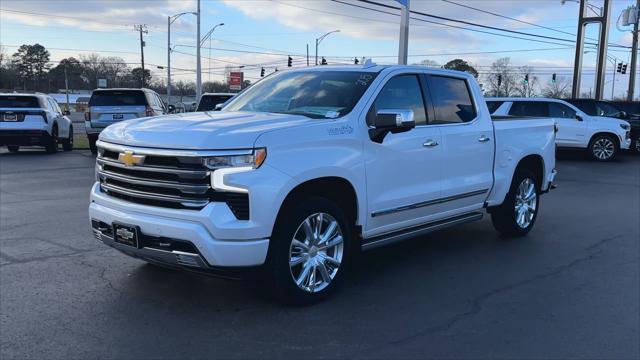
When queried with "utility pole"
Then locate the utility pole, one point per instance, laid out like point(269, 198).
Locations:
point(404, 33)
point(634, 55)
point(198, 65)
point(66, 84)
point(168, 59)
point(142, 28)
point(307, 54)
point(603, 40)
point(319, 40)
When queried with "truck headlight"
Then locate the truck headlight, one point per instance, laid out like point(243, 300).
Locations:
point(253, 160)
point(625, 126)
point(232, 164)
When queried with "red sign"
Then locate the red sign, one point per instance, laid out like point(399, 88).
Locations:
point(235, 80)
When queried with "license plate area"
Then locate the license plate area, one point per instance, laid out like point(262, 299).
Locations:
point(118, 116)
point(126, 234)
point(10, 117)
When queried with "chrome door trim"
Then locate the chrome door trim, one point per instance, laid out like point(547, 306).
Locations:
point(428, 203)
point(417, 230)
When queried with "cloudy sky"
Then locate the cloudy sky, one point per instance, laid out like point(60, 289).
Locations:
point(261, 33)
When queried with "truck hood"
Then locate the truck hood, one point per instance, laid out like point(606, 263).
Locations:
point(609, 121)
point(213, 130)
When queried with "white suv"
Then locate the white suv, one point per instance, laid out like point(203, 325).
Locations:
point(601, 136)
point(34, 120)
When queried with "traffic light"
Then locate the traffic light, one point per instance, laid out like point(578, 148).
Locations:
point(553, 78)
point(526, 79)
point(356, 61)
point(290, 61)
point(624, 69)
point(324, 61)
point(262, 72)
point(620, 67)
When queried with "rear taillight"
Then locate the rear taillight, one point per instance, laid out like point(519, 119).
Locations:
point(87, 116)
point(149, 111)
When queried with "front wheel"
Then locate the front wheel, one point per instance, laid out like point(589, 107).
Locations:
point(517, 214)
point(92, 145)
point(309, 251)
point(603, 148)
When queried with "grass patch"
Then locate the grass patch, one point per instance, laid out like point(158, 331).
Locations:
point(80, 142)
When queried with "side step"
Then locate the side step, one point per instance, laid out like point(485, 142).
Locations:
point(415, 231)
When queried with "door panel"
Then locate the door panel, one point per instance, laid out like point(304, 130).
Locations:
point(467, 145)
point(571, 131)
point(404, 171)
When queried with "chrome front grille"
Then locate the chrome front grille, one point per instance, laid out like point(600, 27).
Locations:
point(173, 179)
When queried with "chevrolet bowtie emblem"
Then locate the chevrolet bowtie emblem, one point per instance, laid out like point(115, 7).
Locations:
point(129, 159)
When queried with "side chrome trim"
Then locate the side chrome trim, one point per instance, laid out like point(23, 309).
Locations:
point(428, 203)
point(414, 231)
point(171, 152)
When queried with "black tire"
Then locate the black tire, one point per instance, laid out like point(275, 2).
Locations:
point(67, 145)
point(13, 148)
point(52, 142)
point(289, 223)
point(505, 216)
point(603, 147)
point(636, 145)
point(92, 146)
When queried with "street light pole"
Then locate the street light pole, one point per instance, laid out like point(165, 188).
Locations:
point(170, 20)
point(198, 65)
point(319, 40)
point(634, 55)
point(206, 37)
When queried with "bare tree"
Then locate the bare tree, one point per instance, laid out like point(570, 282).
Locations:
point(559, 89)
point(526, 82)
point(501, 81)
point(185, 88)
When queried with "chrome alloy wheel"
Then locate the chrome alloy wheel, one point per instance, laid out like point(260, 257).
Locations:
point(316, 252)
point(526, 203)
point(604, 148)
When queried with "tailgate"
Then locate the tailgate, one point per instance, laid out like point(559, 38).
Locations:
point(103, 116)
point(22, 118)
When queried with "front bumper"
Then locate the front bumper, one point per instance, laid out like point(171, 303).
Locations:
point(187, 226)
point(24, 137)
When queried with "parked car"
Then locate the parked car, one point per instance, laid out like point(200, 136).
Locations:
point(601, 136)
point(210, 101)
point(34, 120)
point(628, 111)
point(109, 106)
point(310, 165)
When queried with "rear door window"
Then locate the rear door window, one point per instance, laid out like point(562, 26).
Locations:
point(529, 108)
point(19, 102)
point(118, 98)
point(452, 100)
point(558, 110)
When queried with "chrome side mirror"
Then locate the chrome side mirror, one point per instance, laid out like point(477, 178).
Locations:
point(391, 121)
point(579, 118)
point(218, 107)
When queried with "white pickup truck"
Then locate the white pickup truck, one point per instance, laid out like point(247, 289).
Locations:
point(308, 166)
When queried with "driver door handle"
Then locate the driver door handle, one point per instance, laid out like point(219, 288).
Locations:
point(484, 138)
point(430, 143)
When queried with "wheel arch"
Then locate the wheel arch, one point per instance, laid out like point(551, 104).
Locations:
point(335, 188)
point(535, 163)
point(605, 133)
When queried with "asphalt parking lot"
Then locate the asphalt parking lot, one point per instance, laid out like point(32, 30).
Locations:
point(571, 289)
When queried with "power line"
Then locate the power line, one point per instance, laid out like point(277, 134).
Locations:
point(61, 16)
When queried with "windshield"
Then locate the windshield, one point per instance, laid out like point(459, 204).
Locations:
point(209, 102)
point(607, 110)
point(118, 98)
point(316, 94)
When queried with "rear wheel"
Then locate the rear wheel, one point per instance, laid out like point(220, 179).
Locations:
point(517, 214)
point(13, 148)
point(636, 145)
point(67, 145)
point(309, 251)
point(92, 145)
point(52, 142)
point(603, 148)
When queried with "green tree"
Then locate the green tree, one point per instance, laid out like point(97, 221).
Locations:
point(136, 74)
point(32, 64)
point(461, 65)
